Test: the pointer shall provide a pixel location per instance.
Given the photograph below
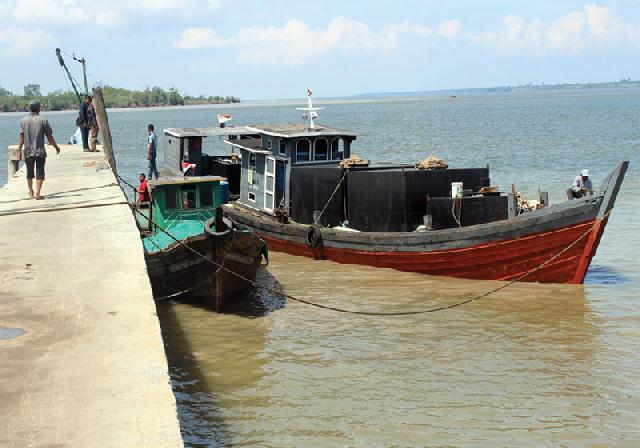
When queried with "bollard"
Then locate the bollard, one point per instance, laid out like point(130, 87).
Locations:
point(12, 161)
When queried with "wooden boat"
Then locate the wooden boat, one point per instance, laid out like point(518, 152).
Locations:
point(499, 250)
point(186, 209)
point(300, 193)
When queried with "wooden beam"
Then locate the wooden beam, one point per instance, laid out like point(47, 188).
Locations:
point(105, 131)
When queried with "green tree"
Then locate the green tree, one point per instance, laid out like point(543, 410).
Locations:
point(32, 91)
point(158, 95)
point(174, 97)
point(5, 93)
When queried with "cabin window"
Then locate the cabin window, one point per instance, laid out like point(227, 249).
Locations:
point(283, 148)
point(269, 144)
point(303, 151)
point(170, 199)
point(188, 198)
point(206, 197)
point(337, 149)
point(321, 150)
point(252, 197)
point(252, 161)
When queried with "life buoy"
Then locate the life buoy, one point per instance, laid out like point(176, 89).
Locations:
point(314, 238)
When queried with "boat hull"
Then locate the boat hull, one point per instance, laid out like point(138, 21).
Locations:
point(551, 245)
point(178, 269)
point(504, 260)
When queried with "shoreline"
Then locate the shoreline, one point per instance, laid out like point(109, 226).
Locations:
point(356, 99)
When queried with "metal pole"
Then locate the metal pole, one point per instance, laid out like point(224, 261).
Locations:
point(103, 124)
point(64, 66)
point(84, 73)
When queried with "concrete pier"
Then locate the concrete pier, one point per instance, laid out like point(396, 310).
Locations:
point(82, 360)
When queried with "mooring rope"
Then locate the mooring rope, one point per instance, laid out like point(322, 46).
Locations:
point(344, 175)
point(373, 313)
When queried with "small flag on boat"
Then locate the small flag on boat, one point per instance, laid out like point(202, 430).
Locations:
point(308, 92)
point(222, 118)
point(186, 167)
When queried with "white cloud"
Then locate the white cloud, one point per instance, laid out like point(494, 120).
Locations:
point(201, 38)
point(51, 12)
point(296, 43)
point(103, 13)
point(18, 41)
point(393, 32)
point(591, 27)
point(449, 29)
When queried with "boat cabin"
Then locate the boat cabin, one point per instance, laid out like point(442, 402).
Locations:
point(269, 158)
point(294, 170)
point(182, 205)
point(193, 152)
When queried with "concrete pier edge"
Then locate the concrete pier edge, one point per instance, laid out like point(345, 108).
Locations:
point(82, 361)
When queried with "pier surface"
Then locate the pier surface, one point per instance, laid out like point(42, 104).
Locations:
point(82, 362)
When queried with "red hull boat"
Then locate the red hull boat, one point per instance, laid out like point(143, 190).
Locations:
point(554, 244)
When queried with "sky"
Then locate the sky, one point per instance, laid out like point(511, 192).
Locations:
point(277, 49)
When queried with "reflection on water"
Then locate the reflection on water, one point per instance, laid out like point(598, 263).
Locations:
point(529, 365)
point(605, 275)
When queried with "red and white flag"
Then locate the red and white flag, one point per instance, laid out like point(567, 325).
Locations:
point(186, 167)
point(222, 118)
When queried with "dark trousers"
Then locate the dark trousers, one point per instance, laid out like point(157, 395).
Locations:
point(85, 137)
point(38, 163)
point(152, 169)
point(574, 194)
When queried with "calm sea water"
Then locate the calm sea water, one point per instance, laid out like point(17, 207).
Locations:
point(533, 365)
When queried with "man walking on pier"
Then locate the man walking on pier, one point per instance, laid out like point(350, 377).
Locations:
point(33, 128)
point(153, 146)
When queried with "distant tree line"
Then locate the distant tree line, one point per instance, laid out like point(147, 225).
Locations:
point(113, 97)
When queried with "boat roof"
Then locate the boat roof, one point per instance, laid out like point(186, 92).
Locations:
point(298, 130)
point(250, 144)
point(213, 131)
point(184, 180)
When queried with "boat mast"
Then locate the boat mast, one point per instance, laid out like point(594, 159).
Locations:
point(312, 112)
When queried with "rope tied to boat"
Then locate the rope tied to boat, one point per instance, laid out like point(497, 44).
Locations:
point(374, 313)
point(344, 175)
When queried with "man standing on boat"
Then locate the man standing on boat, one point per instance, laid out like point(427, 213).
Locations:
point(33, 128)
point(153, 146)
point(582, 186)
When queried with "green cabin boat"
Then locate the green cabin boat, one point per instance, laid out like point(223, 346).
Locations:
point(182, 206)
point(188, 209)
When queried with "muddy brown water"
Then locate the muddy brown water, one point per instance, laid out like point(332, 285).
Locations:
point(532, 365)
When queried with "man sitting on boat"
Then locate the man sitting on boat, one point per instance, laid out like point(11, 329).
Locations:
point(582, 186)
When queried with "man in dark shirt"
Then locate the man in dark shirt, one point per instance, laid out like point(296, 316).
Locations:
point(83, 122)
point(33, 128)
